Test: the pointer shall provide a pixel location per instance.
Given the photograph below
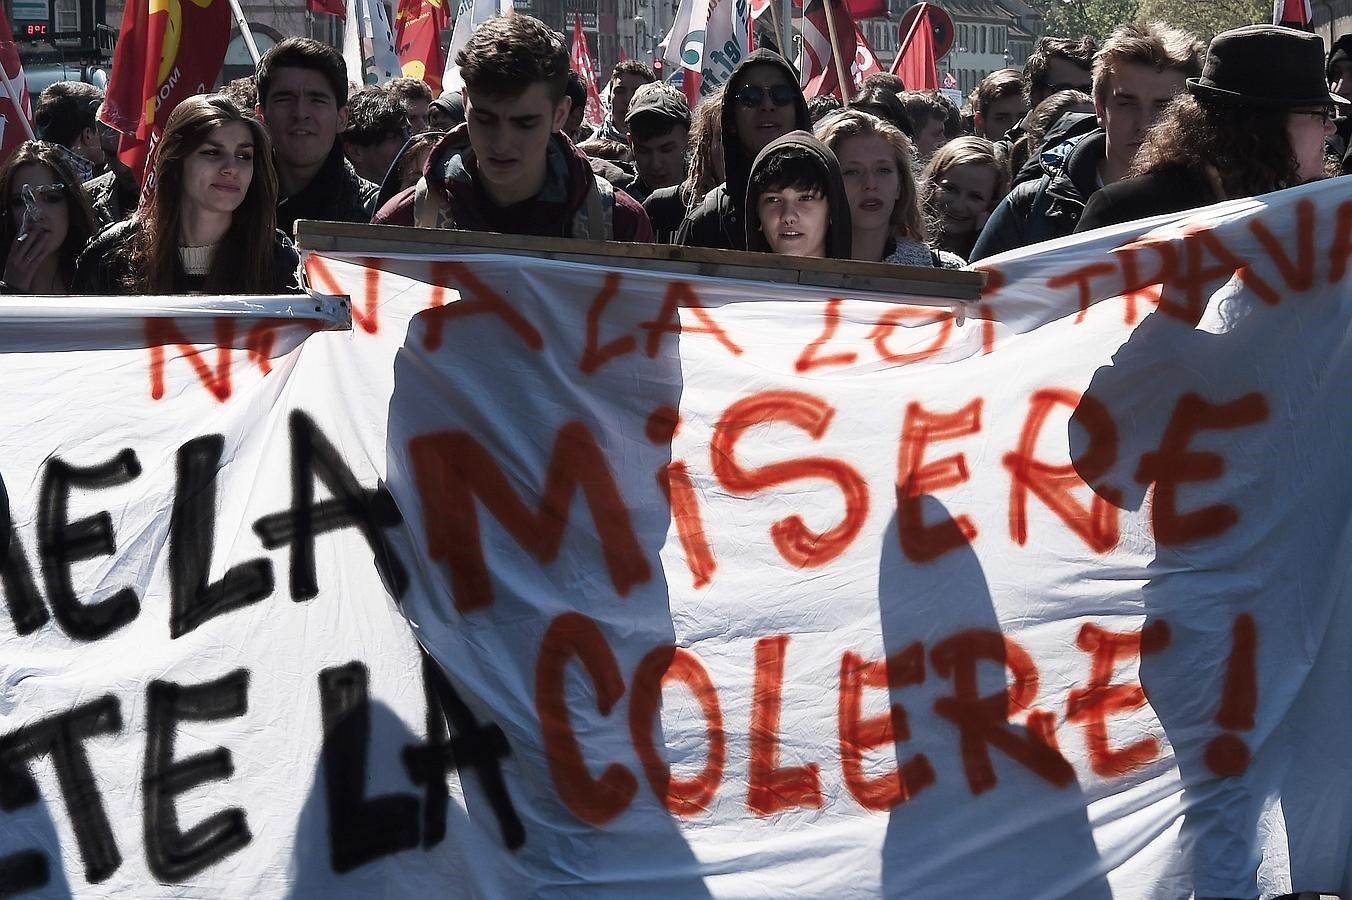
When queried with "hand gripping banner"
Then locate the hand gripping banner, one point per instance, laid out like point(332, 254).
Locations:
point(720, 587)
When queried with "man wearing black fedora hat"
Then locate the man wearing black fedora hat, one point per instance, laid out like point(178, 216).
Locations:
point(1254, 122)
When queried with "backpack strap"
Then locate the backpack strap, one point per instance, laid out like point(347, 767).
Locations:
point(424, 213)
point(599, 210)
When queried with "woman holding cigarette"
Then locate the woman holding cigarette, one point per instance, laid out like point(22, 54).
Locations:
point(210, 223)
point(48, 223)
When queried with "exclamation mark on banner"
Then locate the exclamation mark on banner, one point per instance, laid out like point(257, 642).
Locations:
point(1227, 755)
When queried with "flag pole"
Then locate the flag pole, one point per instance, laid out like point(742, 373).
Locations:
point(244, 31)
point(13, 95)
point(921, 14)
point(787, 33)
point(835, 52)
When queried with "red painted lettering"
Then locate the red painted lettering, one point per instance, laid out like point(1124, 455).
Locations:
point(1091, 705)
point(983, 722)
point(1053, 484)
point(595, 355)
point(858, 734)
point(1174, 464)
point(890, 320)
point(770, 787)
point(680, 293)
point(809, 359)
point(1298, 275)
point(792, 537)
point(160, 332)
point(923, 542)
point(452, 469)
point(476, 298)
point(574, 636)
point(660, 666)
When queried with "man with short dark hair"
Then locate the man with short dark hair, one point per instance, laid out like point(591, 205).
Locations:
point(576, 92)
point(625, 78)
point(65, 115)
point(377, 129)
point(1056, 64)
point(998, 104)
point(930, 113)
point(416, 97)
point(1137, 74)
point(508, 169)
point(302, 98)
point(659, 132)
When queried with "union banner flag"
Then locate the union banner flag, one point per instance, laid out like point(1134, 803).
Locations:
point(167, 50)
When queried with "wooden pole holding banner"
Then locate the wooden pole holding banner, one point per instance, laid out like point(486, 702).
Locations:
point(920, 285)
point(841, 70)
point(244, 31)
point(787, 34)
point(921, 15)
point(13, 94)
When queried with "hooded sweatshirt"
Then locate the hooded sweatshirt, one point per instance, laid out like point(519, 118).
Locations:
point(718, 219)
point(562, 208)
point(838, 229)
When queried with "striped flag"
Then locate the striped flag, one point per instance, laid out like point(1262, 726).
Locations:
point(582, 65)
point(818, 73)
point(16, 110)
point(1292, 14)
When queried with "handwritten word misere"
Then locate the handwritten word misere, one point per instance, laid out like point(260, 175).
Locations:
point(453, 470)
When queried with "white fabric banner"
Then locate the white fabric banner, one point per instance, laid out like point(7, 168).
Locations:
point(736, 589)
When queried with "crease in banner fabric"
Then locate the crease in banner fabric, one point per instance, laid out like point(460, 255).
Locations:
point(553, 579)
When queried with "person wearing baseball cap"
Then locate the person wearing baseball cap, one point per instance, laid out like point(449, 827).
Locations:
point(1254, 122)
point(658, 123)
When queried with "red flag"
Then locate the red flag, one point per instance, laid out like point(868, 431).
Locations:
point(1292, 13)
point(867, 9)
point(865, 60)
point(623, 57)
point(582, 65)
point(417, 38)
point(16, 111)
point(819, 71)
point(157, 64)
point(915, 62)
point(328, 7)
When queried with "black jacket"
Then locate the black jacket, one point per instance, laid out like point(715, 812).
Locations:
point(1070, 125)
point(1050, 207)
point(336, 194)
point(838, 232)
point(104, 267)
point(1164, 191)
point(667, 208)
point(718, 219)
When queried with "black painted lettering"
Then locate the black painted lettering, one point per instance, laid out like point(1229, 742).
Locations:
point(16, 576)
point(474, 747)
point(62, 543)
point(62, 738)
point(361, 829)
point(175, 855)
point(192, 536)
point(312, 455)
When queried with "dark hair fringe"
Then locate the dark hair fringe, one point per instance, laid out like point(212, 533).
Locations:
point(1248, 146)
point(791, 168)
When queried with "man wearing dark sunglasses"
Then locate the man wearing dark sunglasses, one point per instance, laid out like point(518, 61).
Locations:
point(762, 102)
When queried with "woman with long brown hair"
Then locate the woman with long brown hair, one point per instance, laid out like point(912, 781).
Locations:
point(210, 224)
point(48, 222)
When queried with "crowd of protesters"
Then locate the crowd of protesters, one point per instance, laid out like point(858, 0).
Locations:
point(1150, 121)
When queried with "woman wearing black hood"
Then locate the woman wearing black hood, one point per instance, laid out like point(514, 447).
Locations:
point(762, 101)
point(796, 203)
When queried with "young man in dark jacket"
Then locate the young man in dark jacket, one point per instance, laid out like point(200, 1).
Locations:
point(302, 98)
point(762, 101)
point(1136, 75)
point(508, 169)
